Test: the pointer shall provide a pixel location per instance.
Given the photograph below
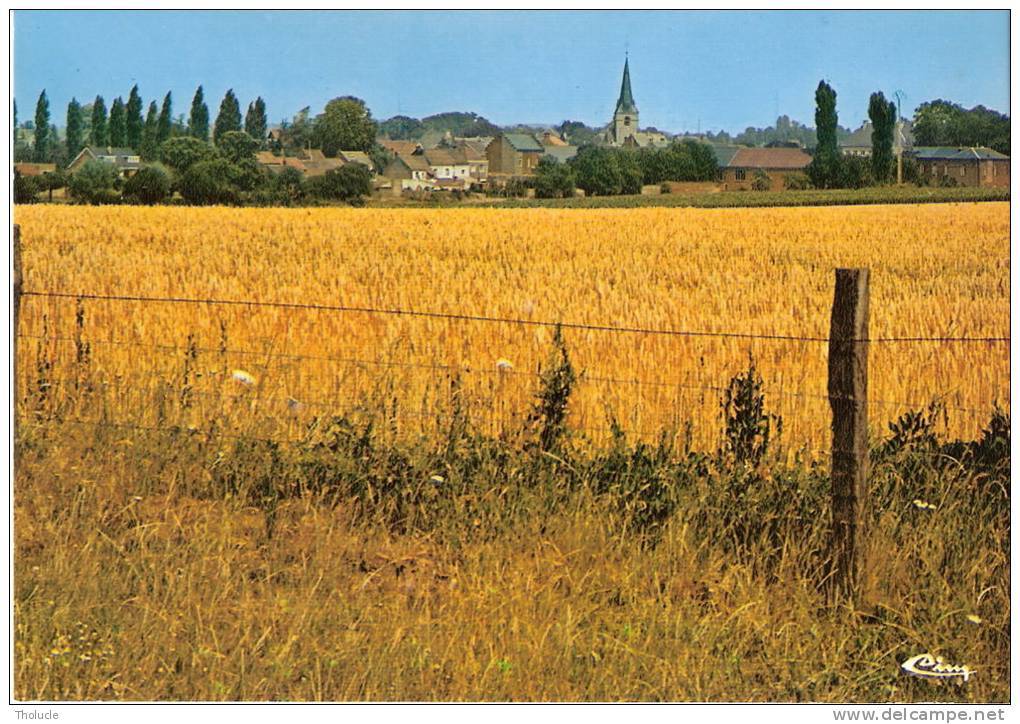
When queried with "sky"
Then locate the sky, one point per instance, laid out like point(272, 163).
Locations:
point(690, 71)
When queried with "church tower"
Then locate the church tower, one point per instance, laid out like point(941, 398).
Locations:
point(625, 119)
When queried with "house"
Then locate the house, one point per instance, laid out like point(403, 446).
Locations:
point(972, 166)
point(858, 143)
point(357, 157)
point(449, 165)
point(401, 148)
point(777, 163)
point(514, 154)
point(126, 160)
point(410, 173)
point(478, 162)
point(316, 163)
point(551, 138)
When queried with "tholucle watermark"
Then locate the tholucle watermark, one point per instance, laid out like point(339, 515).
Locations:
point(30, 714)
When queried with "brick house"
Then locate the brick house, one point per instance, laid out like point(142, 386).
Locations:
point(777, 163)
point(514, 154)
point(126, 160)
point(410, 173)
point(972, 166)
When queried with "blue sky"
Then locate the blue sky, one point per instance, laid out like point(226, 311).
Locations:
point(720, 70)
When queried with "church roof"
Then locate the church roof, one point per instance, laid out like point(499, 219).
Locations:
point(626, 104)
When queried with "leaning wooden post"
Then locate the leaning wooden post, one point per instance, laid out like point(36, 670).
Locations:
point(848, 396)
point(15, 308)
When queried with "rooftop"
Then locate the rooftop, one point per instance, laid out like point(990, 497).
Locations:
point(774, 158)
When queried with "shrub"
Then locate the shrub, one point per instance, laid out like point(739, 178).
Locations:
point(208, 182)
point(761, 182)
point(346, 183)
point(553, 180)
point(25, 189)
point(97, 182)
point(183, 152)
point(748, 428)
point(797, 182)
point(151, 185)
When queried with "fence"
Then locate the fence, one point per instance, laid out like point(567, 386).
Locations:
point(847, 347)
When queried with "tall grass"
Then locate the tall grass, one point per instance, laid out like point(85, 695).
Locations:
point(185, 564)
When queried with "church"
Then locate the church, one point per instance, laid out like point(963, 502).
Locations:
point(623, 130)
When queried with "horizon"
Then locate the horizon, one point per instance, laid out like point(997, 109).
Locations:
point(420, 63)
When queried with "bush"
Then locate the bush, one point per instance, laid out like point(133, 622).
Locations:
point(25, 189)
point(183, 152)
point(288, 186)
point(797, 182)
point(151, 185)
point(761, 182)
point(347, 183)
point(208, 182)
point(553, 180)
point(97, 182)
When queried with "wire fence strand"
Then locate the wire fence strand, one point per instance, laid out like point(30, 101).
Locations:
point(394, 311)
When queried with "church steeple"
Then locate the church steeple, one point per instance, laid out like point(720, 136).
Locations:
point(626, 102)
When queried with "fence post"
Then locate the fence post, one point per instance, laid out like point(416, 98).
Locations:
point(15, 308)
point(848, 397)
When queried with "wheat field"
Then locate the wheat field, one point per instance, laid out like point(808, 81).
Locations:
point(184, 530)
point(937, 271)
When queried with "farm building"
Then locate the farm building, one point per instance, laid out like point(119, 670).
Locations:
point(971, 166)
point(777, 163)
point(858, 143)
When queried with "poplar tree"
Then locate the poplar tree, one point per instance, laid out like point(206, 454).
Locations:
point(42, 127)
point(883, 127)
point(229, 118)
point(99, 135)
point(255, 123)
point(133, 123)
point(75, 128)
point(198, 123)
point(149, 147)
point(118, 123)
point(163, 125)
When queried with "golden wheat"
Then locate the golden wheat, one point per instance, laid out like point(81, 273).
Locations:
point(937, 270)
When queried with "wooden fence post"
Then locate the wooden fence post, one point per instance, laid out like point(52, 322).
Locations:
point(15, 308)
point(848, 397)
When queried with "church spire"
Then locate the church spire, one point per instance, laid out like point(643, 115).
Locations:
point(626, 102)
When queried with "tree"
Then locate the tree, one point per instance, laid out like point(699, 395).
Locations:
point(25, 188)
point(198, 124)
point(597, 171)
point(182, 152)
point(149, 147)
point(824, 167)
point(576, 133)
point(883, 124)
point(118, 123)
point(347, 183)
point(296, 134)
point(99, 134)
point(229, 118)
point(14, 121)
point(237, 147)
point(95, 183)
point(208, 182)
point(75, 128)
point(401, 128)
point(150, 185)
point(42, 127)
point(345, 125)
point(255, 123)
point(164, 124)
point(133, 121)
point(553, 180)
point(942, 123)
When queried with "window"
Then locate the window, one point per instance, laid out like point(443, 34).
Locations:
point(741, 174)
point(626, 120)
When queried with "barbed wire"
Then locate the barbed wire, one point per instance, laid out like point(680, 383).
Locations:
point(486, 318)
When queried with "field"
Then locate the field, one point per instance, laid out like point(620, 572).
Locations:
point(338, 499)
